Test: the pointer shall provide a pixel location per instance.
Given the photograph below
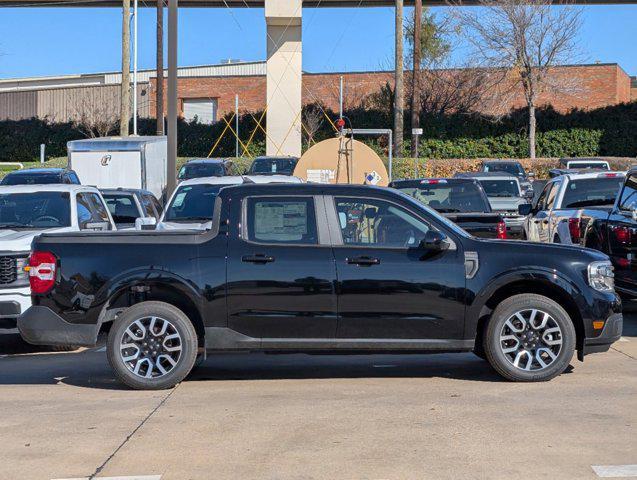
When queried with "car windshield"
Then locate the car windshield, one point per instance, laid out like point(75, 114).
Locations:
point(451, 197)
point(122, 207)
point(511, 168)
point(500, 188)
point(193, 203)
point(268, 166)
point(584, 165)
point(591, 192)
point(35, 210)
point(199, 170)
point(31, 179)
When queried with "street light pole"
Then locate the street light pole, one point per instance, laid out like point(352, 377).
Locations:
point(135, 68)
point(171, 166)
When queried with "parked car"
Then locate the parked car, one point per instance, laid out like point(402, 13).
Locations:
point(191, 205)
point(205, 167)
point(41, 176)
point(320, 269)
point(131, 207)
point(550, 217)
point(582, 163)
point(26, 211)
point(272, 166)
point(505, 196)
point(461, 200)
point(614, 232)
point(510, 167)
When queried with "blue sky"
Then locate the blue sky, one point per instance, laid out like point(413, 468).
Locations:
point(35, 42)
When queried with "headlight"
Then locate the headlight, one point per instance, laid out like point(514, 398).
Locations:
point(601, 276)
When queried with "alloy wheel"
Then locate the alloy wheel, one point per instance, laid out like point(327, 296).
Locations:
point(531, 340)
point(151, 347)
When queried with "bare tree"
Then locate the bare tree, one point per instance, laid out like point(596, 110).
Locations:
point(521, 40)
point(94, 116)
point(313, 120)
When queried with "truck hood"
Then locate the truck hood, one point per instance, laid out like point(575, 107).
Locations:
point(506, 204)
point(20, 240)
point(541, 250)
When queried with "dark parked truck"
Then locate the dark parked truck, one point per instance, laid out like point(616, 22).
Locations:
point(613, 230)
point(461, 200)
point(319, 269)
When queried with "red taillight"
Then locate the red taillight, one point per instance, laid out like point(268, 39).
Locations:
point(574, 229)
point(42, 267)
point(622, 234)
point(501, 230)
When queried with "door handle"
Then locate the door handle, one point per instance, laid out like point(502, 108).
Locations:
point(257, 258)
point(363, 261)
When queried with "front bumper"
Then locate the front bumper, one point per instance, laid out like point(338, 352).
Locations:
point(611, 332)
point(42, 326)
point(12, 303)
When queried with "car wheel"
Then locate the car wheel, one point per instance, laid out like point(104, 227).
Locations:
point(529, 338)
point(152, 346)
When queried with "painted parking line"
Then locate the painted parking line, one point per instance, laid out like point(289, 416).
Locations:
point(134, 477)
point(615, 471)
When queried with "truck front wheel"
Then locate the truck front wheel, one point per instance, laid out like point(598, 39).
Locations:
point(529, 338)
point(152, 346)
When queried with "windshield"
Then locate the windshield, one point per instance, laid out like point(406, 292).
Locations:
point(452, 197)
point(35, 210)
point(199, 170)
point(31, 179)
point(511, 168)
point(122, 207)
point(584, 165)
point(193, 203)
point(500, 188)
point(592, 192)
point(267, 166)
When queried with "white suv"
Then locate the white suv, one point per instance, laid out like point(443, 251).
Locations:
point(29, 210)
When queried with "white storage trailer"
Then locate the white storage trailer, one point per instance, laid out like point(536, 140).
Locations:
point(113, 162)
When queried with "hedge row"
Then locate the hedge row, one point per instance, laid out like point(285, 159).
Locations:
point(608, 131)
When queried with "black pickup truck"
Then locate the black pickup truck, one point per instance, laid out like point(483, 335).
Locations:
point(461, 200)
point(614, 232)
point(319, 269)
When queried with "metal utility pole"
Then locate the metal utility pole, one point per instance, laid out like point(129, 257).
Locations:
point(124, 116)
point(399, 94)
point(159, 94)
point(415, 82)
point(172, 97)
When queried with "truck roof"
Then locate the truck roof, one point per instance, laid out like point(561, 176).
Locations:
point(428, 181)
point(241, 179)
point(31, 171)
point(588, 175)
point(490, 175)
point(51, 187)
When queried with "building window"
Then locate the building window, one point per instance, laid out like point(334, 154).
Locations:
point(203, 110)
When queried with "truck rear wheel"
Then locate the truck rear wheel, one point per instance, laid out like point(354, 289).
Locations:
point(152, 346)
point(529, 338)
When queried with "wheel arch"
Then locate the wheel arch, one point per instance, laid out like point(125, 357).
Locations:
point(137, 287)
point(558, 290)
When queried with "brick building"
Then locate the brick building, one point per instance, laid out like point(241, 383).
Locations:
point(209, 91)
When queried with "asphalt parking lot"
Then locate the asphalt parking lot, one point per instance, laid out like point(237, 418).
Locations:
point(317, 417)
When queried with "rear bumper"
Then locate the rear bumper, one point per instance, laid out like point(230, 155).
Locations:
point(611, 332)
point(42, 326)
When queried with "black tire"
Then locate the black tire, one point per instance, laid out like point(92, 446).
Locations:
point(521, 303)
point(179, 324)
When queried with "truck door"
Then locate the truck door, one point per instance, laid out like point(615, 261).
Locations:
point(621, 232)
point(281, 272)
point(538, 224)
point(388, 287)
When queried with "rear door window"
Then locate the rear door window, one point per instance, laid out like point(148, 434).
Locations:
point(281, 220)
point(90, 209)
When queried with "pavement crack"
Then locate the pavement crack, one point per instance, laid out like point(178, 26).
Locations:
point(99, 469)
point(623, 353)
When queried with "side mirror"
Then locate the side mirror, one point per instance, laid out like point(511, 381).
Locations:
point(97, 226)
point(525, 209)
point(145, 223)
point(434, 241)
point(529, 194)
point(530, 175)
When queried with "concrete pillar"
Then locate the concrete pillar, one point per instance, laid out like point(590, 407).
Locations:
point(284, 67)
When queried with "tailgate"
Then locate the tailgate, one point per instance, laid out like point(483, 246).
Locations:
point(479, 224)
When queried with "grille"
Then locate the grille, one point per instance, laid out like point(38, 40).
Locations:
point(8, 270)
